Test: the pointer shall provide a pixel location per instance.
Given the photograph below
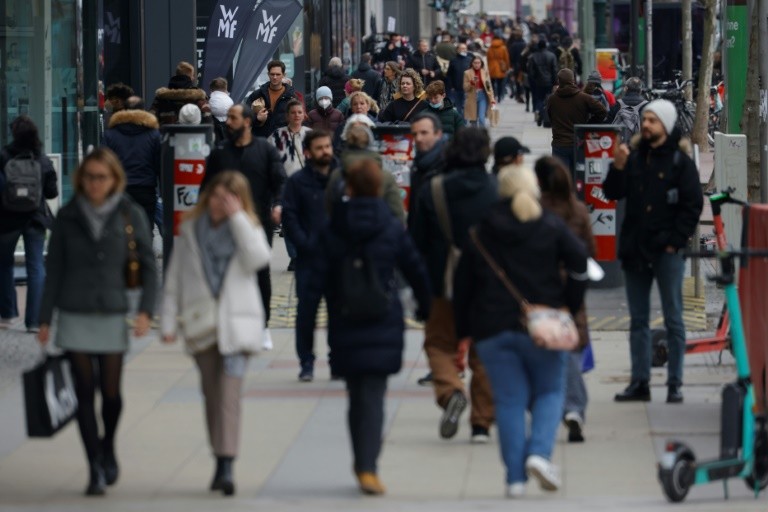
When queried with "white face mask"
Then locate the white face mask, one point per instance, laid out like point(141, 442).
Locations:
point(324, 103)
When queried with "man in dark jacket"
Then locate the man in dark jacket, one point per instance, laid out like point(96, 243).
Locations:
point(427, 131)
point(182, 89)
point(425, 63)
point(272, 100)
point(663, 196)
point(633, 97)
point(304, 217)
point(454, 80)
point(542, 73)
point(261, 164)
point(567, 107)
point(372, 79)
point(515, 47)
point(469, 193)
point(335, 78)
point(134, 137)
point(396, 50)
point(445, 49)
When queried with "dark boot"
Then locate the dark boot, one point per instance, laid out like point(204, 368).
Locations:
point(223, 479)
point(109, 462)
point(637, 391)
point(97, 485)
point(674, 395)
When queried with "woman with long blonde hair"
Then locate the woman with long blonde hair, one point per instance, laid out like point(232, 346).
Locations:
point(212, 301)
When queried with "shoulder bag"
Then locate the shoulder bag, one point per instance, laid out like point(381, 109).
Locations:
point(550, 328)
point(444, 220)
point(133, 264)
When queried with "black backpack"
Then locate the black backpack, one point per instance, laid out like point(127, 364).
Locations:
point(23, 190)
point(363, 298)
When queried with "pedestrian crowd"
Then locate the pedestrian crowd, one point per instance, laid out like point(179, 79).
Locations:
point(497, 261)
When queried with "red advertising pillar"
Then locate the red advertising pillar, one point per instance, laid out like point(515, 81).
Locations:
point(594, 150)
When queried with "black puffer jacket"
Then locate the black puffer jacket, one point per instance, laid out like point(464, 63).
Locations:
point(663, 199)
point(532, 255)
point(375, 347)
point(335, 78)
point(419, 61)
point(180, 91)
point(134, 137)
point(542, 68)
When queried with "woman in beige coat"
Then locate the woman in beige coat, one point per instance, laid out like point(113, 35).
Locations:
point(211, 300)
point(479, 91)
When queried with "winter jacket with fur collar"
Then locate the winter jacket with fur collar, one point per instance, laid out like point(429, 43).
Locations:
point(134, 137)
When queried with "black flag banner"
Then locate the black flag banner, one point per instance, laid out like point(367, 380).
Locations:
point(226, 28)
point(268, 25)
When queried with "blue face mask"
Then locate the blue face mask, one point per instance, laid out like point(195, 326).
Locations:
point(436, 106)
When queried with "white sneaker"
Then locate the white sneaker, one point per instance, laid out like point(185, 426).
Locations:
point(6, 323)
point(266, 341)
point(544, 471)
point(516, 490)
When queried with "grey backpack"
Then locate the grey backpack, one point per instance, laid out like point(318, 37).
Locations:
point(628, 119)
point(23, 190)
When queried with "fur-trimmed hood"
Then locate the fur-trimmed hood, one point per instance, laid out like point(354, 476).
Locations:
point(185, 95)
point(137, 117)
point(683, 143)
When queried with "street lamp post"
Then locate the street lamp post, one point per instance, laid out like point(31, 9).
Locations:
point(601, 41)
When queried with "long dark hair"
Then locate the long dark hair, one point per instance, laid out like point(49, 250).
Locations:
point(556, 183)
point(471, 147)
point(25, 135)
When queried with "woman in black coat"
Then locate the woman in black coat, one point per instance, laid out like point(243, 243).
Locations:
point(366, 346)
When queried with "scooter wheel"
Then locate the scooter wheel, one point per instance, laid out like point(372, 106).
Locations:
point(677, 480)
point(659, 348)
point(753, 483)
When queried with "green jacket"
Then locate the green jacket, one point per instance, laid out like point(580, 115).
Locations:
point(450, 118)
point(390, 190)
point(84, 275)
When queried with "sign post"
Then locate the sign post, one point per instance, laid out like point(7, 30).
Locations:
point(594, 150)
point(185, 148)
point(397, 151)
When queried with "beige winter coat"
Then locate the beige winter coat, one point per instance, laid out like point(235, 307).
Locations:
point(240, 311)
point(470, 103)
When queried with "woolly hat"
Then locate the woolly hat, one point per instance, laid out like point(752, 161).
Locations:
point(520, 184)
point(665, 111)
point(323, 92)
point(595, 78)
point(190, 114)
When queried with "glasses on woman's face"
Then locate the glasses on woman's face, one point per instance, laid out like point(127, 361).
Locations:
point(96, 177)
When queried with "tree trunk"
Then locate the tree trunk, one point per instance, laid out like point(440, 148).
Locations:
point(686, 9)
point(701, 123)
point(750, 120)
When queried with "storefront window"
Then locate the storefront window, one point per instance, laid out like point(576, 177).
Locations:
point(42, 75)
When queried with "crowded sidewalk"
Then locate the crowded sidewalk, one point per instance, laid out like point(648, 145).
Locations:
point(295, 452)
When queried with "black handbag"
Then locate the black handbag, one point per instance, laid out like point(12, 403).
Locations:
point(49, 396)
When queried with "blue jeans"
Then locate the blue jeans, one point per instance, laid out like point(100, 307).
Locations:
point(34, 239)
point(565, 154)
point(523, 375)
point(482, 108)
point(306, 314)
point(668, 271)
point(458, 97)
point(539, 94)
point(575, 391)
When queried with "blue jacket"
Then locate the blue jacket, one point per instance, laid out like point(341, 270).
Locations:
point(304, 214)
point(454, 77)
point(377, 347)
point(134, 137)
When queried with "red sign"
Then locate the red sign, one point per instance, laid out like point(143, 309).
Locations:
point(397, 152)
point(187, 177)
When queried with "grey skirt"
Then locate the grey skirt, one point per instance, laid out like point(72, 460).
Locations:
point(92, 332)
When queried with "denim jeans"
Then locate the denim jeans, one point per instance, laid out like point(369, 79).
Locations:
point(482, 108)
point(306, 315)
point(458, 97)
point(565, 154)
point(667, 269)
point(523, 375)
point(34, 239)
point(290, 248)
point(499, 86)
point(365, 418)
point(575, 391)
point(539, 94)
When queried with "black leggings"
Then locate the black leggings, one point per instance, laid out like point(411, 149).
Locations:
point(86, 369)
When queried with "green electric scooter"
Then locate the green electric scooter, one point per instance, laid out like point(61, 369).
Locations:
point(743, 436)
